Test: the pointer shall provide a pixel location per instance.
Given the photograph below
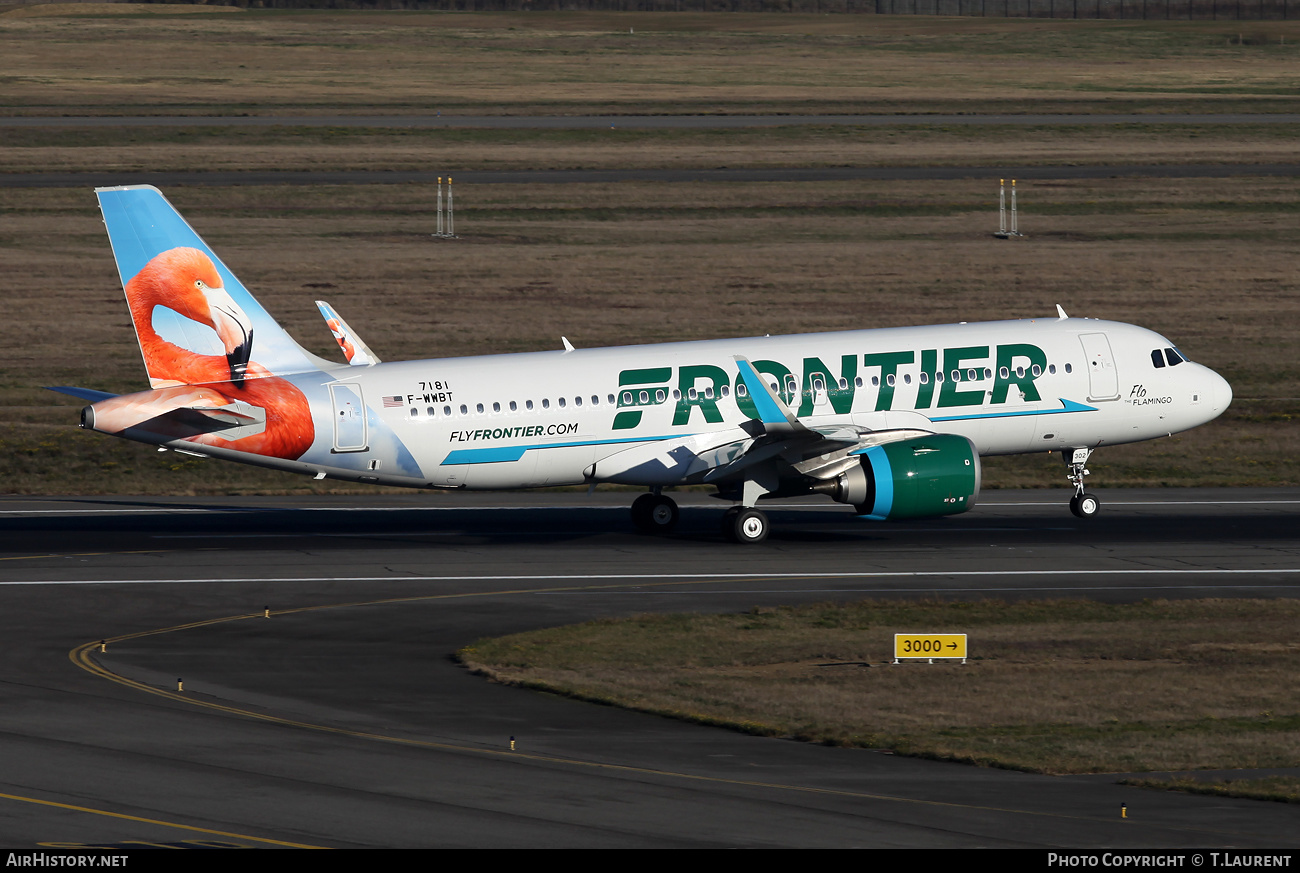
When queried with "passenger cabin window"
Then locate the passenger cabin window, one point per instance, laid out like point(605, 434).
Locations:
point(577, 401)
point(1037, 371)
point(464, 410)
point(496, 407)
point(528, 404)
point(514, 407)
point(546, 403)
point(925, 378)
point(431, 412)
point(479, 408)
point(1069, 368)
point(742, 390)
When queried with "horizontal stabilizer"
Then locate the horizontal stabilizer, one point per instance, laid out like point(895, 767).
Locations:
point(354, 348)
point(84, 393)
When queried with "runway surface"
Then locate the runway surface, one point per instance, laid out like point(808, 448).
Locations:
point(343, 721)
point(637, 122)
point(566, 177)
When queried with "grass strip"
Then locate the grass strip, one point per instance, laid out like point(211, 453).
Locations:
point(1062, 686)
point(1282, 789)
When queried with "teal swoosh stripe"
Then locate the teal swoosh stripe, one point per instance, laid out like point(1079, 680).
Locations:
point(1066, 406)
point(501, 454)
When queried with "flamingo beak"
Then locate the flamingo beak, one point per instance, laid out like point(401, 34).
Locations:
point(235, 329)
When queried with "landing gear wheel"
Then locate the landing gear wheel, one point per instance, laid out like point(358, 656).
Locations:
point(729, 521)
point(654, 513)
point(749, 526)
point(1085, 505)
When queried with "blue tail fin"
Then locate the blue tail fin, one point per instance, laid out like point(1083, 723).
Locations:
point(195, 321)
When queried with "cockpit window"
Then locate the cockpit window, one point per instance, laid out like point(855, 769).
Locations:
point(1157, 359)
point(1174, 358)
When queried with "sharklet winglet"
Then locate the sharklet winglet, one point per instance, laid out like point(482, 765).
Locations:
point(354, 348)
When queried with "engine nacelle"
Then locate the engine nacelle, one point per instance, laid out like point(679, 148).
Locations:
point(922, 477)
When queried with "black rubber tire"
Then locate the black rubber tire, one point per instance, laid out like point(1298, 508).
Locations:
point(750, 527)
point(1085, 505)
point(654, 513)
point(728, 522)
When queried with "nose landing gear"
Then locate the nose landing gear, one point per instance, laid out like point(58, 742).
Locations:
point(1083, 504)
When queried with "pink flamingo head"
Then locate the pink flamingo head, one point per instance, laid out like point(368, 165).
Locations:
point(186, 281)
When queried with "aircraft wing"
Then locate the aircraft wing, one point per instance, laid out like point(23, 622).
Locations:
point(776, 443)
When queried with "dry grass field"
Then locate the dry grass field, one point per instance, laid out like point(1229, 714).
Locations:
point(634, 263)
point(112, 59)
point(1056, 687)
point(1209, 262)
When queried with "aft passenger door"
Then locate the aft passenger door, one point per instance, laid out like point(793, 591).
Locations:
point(349, 417)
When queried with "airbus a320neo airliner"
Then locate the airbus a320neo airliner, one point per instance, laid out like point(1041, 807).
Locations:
point(892, 422)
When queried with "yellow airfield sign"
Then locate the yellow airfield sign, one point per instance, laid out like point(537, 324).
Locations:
point(928, 647)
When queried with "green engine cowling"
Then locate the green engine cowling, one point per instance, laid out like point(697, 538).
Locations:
point(923, 477)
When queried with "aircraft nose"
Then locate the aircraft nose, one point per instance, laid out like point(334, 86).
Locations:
point(1219, 390)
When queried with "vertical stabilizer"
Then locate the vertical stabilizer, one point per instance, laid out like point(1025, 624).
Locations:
point(195, 321)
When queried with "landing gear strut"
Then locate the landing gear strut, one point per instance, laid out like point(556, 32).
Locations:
point(1083, 504)
point(744, 524)
point(654, 513)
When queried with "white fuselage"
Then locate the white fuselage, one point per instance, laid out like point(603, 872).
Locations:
point(620, 414)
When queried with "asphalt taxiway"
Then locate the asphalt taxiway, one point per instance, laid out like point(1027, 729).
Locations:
point(342, 719)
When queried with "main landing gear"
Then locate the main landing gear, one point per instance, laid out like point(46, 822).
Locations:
point(1083, 504)
point(654, 513)
point(745, 525)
